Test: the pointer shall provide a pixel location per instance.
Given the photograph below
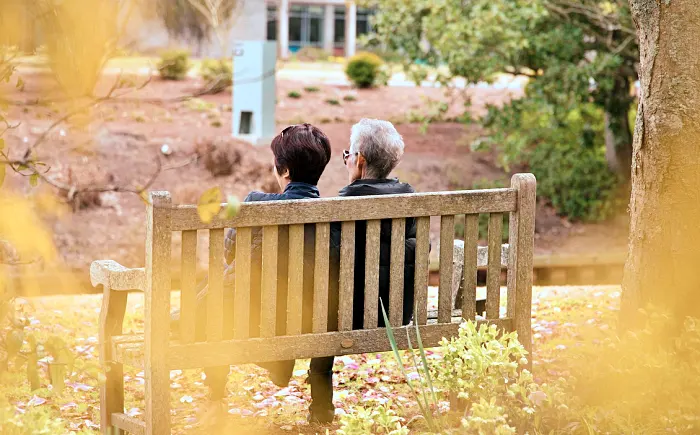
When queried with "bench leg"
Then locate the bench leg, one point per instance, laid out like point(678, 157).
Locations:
point(112, 398)
point(112, 391)
point(157, 402)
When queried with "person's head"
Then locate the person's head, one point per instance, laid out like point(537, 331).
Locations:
point(301, 153)
point(375, 150)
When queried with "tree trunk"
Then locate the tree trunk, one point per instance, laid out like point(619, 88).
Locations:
point(618, 138)
point(663, 263)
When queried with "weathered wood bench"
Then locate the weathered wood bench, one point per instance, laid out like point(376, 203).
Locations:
point(157, 352)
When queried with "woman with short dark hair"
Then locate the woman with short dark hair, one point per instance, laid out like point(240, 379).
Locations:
point(301, 153)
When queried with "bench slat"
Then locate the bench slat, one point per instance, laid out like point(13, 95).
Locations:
point(398, 259)
point(244, 241)
point(447, 236)
point(268, 304)
point(128, 424)
point(420, 280)
point(188, 295)
point(372, 273)
point(321, 278)
point(493, 275)
point(215, 295)
point(347, 272)
point(185, 217)
point(287, 347)
point(295, 279)
point(471, 240)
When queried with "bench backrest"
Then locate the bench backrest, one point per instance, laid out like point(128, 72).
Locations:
point(164, 220)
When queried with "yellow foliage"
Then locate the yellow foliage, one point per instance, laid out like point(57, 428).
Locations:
point(28, 247)
point(209, 204)
point(81, 36)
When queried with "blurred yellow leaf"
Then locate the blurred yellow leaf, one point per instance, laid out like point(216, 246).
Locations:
point(233, 205)
point(209, 204)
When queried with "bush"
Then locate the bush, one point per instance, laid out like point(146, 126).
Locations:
point(363, 69)
point(218, 156)
point(349, 98)
point(34, 421)
point(642, 382)
point(217, 74)
point(564, 148)
point(377, 419)
point(174, 64)
point(311, 89)
point(294, 94)
point(311, 54)
point(333, 102)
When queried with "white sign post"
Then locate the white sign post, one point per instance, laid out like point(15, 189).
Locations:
point(254, 92)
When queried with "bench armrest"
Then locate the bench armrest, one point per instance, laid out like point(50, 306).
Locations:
point(112, 275)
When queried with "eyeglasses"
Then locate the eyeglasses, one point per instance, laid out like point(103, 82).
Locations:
point(346, 156)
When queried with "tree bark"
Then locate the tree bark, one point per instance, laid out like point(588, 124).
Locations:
point(663, 263)
point(618, 138)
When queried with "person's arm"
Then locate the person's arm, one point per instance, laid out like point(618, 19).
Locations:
point(230, 238)
point(230, 246)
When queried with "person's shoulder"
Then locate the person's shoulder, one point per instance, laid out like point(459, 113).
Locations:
point(256, 196)
point(405, 187)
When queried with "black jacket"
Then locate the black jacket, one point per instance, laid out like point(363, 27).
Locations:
point(378, 187)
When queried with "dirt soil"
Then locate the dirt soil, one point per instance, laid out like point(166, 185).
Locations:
point(121, 145)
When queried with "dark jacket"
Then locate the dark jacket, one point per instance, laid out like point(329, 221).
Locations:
point(294, 190)
point(368, 188)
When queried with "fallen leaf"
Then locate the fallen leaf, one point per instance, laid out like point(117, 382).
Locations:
point(36, 401)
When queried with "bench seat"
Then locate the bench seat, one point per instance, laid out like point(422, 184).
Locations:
point(129, 349)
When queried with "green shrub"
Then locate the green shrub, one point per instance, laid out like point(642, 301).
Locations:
point(363, 69)
point(174, 64)
point(217, 74)
point(378, 419)
point(349, 98)
point(333, 102)
point(34, 421)
point(294, 94)
point(311, 89)
point(311, 54)
point(564, 148)
point(641, 382)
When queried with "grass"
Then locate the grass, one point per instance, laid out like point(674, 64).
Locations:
point(562, 317)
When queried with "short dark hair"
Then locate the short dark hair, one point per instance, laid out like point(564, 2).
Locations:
point(302, 149)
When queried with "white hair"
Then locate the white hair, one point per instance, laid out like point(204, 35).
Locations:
point(379, 143)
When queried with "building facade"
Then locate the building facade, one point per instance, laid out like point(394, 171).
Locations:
point(332, 25)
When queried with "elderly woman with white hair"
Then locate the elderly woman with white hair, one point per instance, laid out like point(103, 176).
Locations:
point(375, 150)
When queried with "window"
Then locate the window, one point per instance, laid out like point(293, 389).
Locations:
point(305, 26)
point(271, 23)
point(339, 27)
point(363, 18)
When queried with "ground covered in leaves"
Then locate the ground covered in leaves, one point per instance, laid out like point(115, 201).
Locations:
point(563, 317)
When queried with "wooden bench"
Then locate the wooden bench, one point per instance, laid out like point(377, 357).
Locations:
point(157, 353)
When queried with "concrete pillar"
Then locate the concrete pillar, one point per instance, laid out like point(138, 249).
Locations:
point(283, 23)
point(350, 29)
point(329, 28)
